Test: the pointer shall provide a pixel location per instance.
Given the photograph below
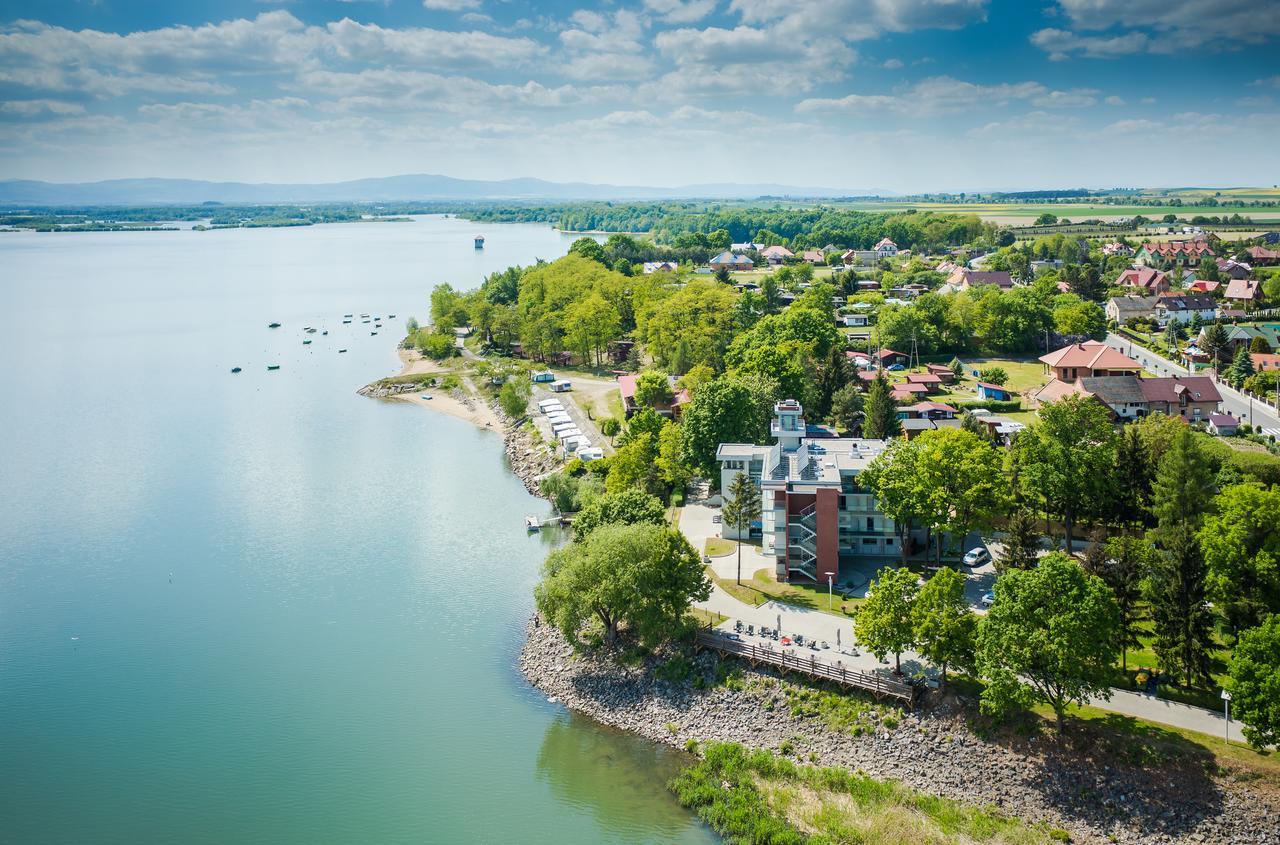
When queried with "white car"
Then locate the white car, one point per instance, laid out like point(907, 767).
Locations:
point(976, 557)
point(988, 599)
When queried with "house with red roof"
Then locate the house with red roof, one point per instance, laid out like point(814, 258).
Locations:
point(942, 371)
point(1244, 290)
point(1203, 286)
point(962, 279)
point(1260, 255)
point(1089, 359)
point(994, 392)
point(931, 382)
point(776, 254)
point(885, 248)
point(813, 256)
point(888, 358)
point(1145, 279)
point(1233, 269)
point(627, 387)
point(1167, 254)
point(928, 411)
point(1132, 397)
point(908, 392)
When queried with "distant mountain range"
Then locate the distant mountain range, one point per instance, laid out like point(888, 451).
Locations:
point(417, 187)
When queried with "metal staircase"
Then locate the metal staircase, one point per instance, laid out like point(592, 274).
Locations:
point(807, 544)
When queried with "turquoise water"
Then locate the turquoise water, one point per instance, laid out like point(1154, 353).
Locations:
point(260, 608)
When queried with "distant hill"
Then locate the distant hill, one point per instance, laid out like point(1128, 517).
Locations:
point(408, 188)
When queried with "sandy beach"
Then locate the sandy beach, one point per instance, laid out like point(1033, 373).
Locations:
point(472, 410)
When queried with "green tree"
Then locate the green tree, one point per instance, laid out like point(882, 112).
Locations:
point(1183, 488)
point(513, 397)
point(1075, 316)
point(1067, 458)
point(993, 375)
point(1175, 590)
point(1241, 367)
point(610, 427)
point(437, 345)
point(1050, 636)
point(943, 624)
point(1133, 477)
point(1021, 545)
point(893, 476)
point(589, 248)
point(960, 477)
point(1241, 543)
point(1215, 342)
point(642, 576)
point(846, 408)
point(1255, 683)
point(625, 507)
point(632, 465)
point(674, 471)
point(880, 416)
point(1259, 345)
point(834, 374)
point(653, 388)
point(742, 506)
point(883, 622)
point(1126, 565)
point(723, 411)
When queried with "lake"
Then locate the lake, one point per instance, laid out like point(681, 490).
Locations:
point(258, 607)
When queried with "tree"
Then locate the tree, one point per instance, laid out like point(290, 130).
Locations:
point(742, 506)
point(880, 416)
point(610, 428)
point(1124, 568)
point(1241, 543)
point(653, 388)
point(846, 408)
point(959, 475)
point(1074, 316)
point(883, 622)
point(1133, 477)
point(1021, 549)
point(1259, 344)
point(1182, 623)
point(642, 576)
point(1215, 341)
point(833, 374)
point(723, 411)
point(722, 275)
point(1183, 487)
point(437, 345)
point(1241, 367)
point(513, 397)
point(589, 248)
point(971, 423)
point(994, 375)
point(893, 476)
point(632, 465)
point(943, 624)
point(1049, 636)
point(671, 465)
point(631, 506)
point(1255, 683)
point(1067, 457)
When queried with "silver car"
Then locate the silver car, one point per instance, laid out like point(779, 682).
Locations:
point(976, 557)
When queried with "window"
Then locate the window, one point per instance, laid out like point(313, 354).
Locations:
point(868, 541)
point(871, 524)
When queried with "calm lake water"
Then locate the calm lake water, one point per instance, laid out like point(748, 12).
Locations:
point(260, 608)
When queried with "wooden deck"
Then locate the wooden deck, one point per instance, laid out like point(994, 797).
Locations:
point(809, 666)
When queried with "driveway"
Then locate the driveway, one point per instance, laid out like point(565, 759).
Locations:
point(697, 523)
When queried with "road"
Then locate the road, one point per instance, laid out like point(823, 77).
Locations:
point(1236, 404)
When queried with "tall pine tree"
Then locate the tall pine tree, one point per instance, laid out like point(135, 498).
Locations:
point(1183, 488)
point(1176, 593)
point(880, 415)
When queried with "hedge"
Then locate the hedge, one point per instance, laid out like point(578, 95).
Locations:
point(996, 406)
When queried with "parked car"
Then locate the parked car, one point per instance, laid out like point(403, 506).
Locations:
point(987, 599)
point(976, 557)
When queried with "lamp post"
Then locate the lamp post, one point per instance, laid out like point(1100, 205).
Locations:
point(829, 591)
point(1226, 714)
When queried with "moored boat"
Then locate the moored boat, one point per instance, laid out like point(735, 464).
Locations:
point(273, 366)
point(273, 325)
point(531, 523)
point(235, 369)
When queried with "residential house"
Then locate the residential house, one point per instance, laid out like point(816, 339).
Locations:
point(1247, 291)
point(1233, 269)
point(1183, 308)
point(1122, 309)
point(660, 267)
point(906, 391)
point(1261, 256)
point(910, 291)
point(963, 279)
point(1191, 397)
point(931, 382)
point(854, 320)
point(1263, 361)
point(813, 256)
point(1203, 286)
point(1091, 358)
point(928, 411)
point(746, 247)
point(889, 358)
point(1116, 249)
point(861, 360)
point(942, 371)
point(627, 387)
point(885, 248)
point(994, 392)
point(859, 257)
point(1238, 336)
point(1131, 397)
point(1223, 425)
point(1178, 253)
point(1144, 279)
point(815, 516)
point(776, 254)
point(731, 261)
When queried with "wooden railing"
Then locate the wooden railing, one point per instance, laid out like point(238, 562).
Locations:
point(877, 685)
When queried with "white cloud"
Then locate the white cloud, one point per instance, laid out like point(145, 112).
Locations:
point(1059, 44)
point(681, 11)
point(1075, 99)
point(861, 19)
point(451, 5)
point(942, 94)
point(33, 108)
point(1271, 81)
point(1113, 100)
point(601, 46)
point(892, 64)
point(1157, 26)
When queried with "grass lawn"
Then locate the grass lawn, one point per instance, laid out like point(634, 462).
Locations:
point(1144, 657)
point(762, 587)
point(707, 618)
point(1024, 376)
point(719, 547)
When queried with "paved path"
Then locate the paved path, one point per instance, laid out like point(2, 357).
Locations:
point(1235, 403)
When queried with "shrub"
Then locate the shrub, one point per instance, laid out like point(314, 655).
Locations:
point(435, 345)
point(996, 406)
point(513, 398)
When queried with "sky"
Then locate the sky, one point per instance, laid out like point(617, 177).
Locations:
point(892, 95)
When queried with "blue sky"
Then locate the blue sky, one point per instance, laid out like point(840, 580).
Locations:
point(903, 95)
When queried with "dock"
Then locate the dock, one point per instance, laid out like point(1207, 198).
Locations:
point(810, 666)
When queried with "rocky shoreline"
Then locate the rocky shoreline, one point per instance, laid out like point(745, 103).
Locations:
point(528, 457)
point(1065, 784)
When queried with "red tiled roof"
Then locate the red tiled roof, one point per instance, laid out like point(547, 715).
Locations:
point(1091, 355)
point(923, 378)
point(1146, 278)
point(920, 407)
point(1242, 289)
point(1201, 388)
point(1169, 248)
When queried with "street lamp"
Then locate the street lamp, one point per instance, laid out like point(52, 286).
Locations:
point(829, 591)
point(1226, 714)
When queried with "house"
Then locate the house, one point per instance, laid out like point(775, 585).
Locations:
point(1265, 361)
point(1223, 425)
point(1261, 256)
point(1091, 358)
point(627, 387)
point(963, 279)
point(1045, 265)
point(928, 411)
point(861, 360)
point(1203, 286)
point(731, 261)
point(858, 257)
point(931, 382)
point(1144, 279)
point(1122, 309)
point(1191, 397)
point(1233, 269)
point(1179, 253)
point(1244, 290)
point(815, 516)
point(1116, 249)
point(776, 254)
point(746, 247)
point(889, 358)
point(994, 392)
point(813, 256)
point(905, 391)
point(660, 267)
point(1238, 336)
point(855, 320)
point(942, 371)
point(885, 248)
point(1131, 397)
point(1183, 308)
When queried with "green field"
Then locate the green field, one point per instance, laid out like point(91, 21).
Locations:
point(1025, 214)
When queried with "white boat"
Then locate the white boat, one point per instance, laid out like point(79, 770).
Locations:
point(531, 523)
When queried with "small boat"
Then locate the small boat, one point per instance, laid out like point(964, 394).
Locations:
point(391, 316)
point(326, 331)
point(305, 342)
point(531, 523)
point(273, 366)
point(371, 334)
point(273, 325)
point(346, 322)
point(425, 395)
point(342, 350)
point(235, 369)
point(347, 315)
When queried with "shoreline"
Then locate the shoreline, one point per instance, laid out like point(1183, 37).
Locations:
point(1038, 779)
